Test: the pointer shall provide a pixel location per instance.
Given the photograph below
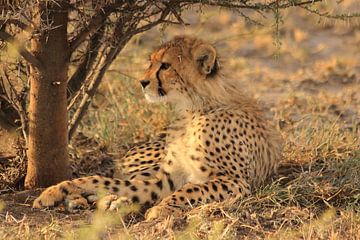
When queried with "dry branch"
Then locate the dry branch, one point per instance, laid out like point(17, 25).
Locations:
point(16, 22)
point(94, 24)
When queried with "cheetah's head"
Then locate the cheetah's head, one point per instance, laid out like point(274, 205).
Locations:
point(178, 71)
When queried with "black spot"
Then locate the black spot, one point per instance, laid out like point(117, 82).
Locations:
point(135, 199)
point(154, 196)
point(182, 198)
point(146, 183)
point(157, 155)
point(146, 174)
point(207, 142)
point(171, 184)
point(133, 188)
point(147, 204)
point(202, 168)
point(196, 189)
point(107, 182)
point(224, 187)
point(95, 181)
point(159, 184)
point(127, 183)
point(192, 201)
point(206, 188)
point(189, 190)
point(221, 197)
point(64, 190)
point(156, 168)
point(214, 187)
point(115, 189)
point(117, 181)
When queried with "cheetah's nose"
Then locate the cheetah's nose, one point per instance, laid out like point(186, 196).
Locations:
point(144, 83)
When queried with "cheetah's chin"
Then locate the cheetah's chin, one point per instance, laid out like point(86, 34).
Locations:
point(154, 99)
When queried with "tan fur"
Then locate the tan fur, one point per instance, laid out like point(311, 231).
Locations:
point(220, 146)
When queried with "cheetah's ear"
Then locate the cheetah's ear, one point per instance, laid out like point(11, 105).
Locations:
point(205, 57)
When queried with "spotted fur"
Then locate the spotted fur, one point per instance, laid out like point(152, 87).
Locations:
point(220, 145)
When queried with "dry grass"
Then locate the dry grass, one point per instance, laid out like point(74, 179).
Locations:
point(312, 90)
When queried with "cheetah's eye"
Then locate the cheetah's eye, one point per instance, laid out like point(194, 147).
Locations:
point(165, 66)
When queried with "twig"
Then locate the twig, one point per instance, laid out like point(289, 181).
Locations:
point(90, 92)
point(18, 102)
point(245, 5)
point(343, 16)
point(16, 22)
point(95, 23)
point(89, 57)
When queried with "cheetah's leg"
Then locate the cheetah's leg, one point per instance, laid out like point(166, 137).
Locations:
point(191, 194)
point(145, 192)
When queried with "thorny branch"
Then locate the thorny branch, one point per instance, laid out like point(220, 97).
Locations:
point(16, 22)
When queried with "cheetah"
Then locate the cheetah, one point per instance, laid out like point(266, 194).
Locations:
point(220, 146)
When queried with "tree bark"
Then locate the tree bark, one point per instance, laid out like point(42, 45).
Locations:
point(47, 147)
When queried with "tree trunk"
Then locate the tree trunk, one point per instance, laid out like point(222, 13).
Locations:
point(47, 147)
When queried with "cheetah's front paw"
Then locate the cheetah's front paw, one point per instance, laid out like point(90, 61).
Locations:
point(112, 202)
point(162, 211)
